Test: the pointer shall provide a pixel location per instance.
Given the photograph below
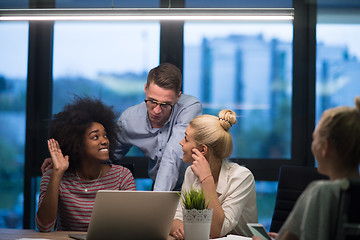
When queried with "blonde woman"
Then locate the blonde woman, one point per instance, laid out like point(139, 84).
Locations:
point(229, 187)
point(335, 145)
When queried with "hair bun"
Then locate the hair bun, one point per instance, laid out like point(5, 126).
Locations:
point(227, 118)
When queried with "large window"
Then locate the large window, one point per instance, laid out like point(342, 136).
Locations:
point(109, 61)
point(104, 60)
point(13, 71)
point(337, 65)
point(247, 68)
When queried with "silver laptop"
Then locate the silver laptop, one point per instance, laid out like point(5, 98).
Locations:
point(131, 215)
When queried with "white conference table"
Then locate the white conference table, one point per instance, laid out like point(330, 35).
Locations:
point(12, 234)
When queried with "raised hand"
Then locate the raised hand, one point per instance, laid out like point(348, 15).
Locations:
point(60, 163)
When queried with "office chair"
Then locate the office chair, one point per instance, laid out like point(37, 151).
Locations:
point(126, 164)
point(348, 227)
point(291, 183)
point(129, 166)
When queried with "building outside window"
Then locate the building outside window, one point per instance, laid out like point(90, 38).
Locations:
point(246, 67)
point(338, 62)
point(109, 61)
point(13, 80)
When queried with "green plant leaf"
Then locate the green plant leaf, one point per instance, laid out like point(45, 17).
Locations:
point(194, 199)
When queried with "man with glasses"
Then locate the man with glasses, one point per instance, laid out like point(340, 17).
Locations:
point(157, 125)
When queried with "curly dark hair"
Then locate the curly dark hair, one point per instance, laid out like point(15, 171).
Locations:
point(68, 126)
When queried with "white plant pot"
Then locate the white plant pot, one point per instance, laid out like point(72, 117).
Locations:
point(197, 224)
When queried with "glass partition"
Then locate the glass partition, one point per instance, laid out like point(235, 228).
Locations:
point(13, 80)
point(337, 65)
point(246, 67)
point(105, 60)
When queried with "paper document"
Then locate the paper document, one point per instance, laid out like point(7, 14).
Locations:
point(234, 237)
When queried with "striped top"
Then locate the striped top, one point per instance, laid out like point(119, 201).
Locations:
point(75, 205)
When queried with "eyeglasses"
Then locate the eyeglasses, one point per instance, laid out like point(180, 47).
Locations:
point(153, 103)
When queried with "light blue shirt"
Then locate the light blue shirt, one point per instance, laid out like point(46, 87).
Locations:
point(160, 145)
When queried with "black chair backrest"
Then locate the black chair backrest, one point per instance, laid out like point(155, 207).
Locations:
point(292, 182)
point(348, 227)
point(129, 166)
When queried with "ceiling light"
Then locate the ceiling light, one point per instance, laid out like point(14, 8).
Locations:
point(133, 14)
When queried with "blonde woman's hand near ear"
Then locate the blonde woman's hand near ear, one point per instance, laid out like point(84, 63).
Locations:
point(200, 166)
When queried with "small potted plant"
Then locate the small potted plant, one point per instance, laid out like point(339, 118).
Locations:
point(196, 215)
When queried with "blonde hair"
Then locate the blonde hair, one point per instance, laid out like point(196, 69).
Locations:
point(341, 126)
point(214, 132)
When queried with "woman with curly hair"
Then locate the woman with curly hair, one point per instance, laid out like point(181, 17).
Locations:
point(229, 187)
point(82, 138)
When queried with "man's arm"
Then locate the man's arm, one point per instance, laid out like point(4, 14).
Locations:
point(172, 168)
point(120, 152)
point(122, 147)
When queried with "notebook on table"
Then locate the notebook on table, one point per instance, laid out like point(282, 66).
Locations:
point(131, 215)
